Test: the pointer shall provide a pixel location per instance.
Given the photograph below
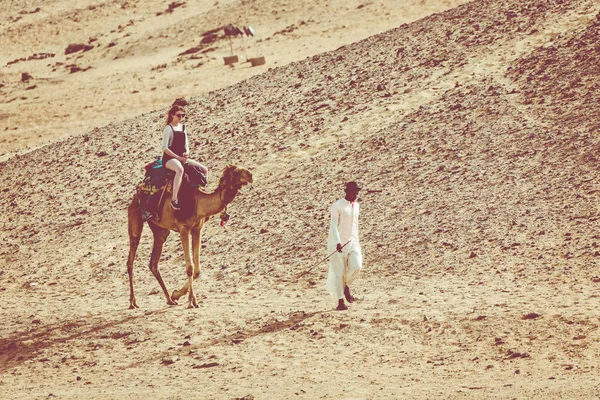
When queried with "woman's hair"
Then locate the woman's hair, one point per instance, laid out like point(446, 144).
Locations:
point(172, 112)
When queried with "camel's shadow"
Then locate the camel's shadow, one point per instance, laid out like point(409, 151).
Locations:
point(23, 346)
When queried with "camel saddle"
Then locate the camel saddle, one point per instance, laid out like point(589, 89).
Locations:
point(158, 180)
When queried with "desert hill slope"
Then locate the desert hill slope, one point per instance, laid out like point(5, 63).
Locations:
point(67, 67)
point(474, 134)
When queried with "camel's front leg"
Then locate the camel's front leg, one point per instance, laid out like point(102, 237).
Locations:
point(196, 240)
point(189, 269)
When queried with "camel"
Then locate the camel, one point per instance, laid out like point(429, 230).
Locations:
point(200, 206)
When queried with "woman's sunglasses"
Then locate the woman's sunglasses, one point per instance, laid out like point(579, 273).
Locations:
point(180, 115)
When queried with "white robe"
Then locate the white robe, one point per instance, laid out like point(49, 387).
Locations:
point(345, 266)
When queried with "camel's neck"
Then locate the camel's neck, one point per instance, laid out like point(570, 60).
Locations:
point(213, 203)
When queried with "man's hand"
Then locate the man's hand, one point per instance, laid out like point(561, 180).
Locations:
point(339, 247)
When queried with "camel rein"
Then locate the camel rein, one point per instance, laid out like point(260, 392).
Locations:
point(323, 260)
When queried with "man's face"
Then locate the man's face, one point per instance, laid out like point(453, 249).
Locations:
point(351, 195)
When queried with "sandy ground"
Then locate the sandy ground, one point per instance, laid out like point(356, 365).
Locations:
point(473, 131)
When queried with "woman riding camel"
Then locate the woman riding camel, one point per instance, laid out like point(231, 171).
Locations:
point(176, 150)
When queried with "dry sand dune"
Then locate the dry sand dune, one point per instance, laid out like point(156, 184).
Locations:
point(474, 134)
point(133, 54)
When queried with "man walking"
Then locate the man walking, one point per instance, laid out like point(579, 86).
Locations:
point(346, 262)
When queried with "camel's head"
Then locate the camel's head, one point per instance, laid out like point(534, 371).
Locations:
point(236, 177)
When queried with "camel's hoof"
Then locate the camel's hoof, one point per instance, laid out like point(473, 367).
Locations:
point(172, 303)
point(133, 306)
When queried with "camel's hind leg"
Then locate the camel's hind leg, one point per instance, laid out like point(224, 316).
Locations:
point(160, 235)
point(136, 224)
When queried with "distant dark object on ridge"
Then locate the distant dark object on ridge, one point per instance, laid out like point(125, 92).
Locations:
point(231, 30)
point(30, 12)
point(249, 30)
point(75, 47)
